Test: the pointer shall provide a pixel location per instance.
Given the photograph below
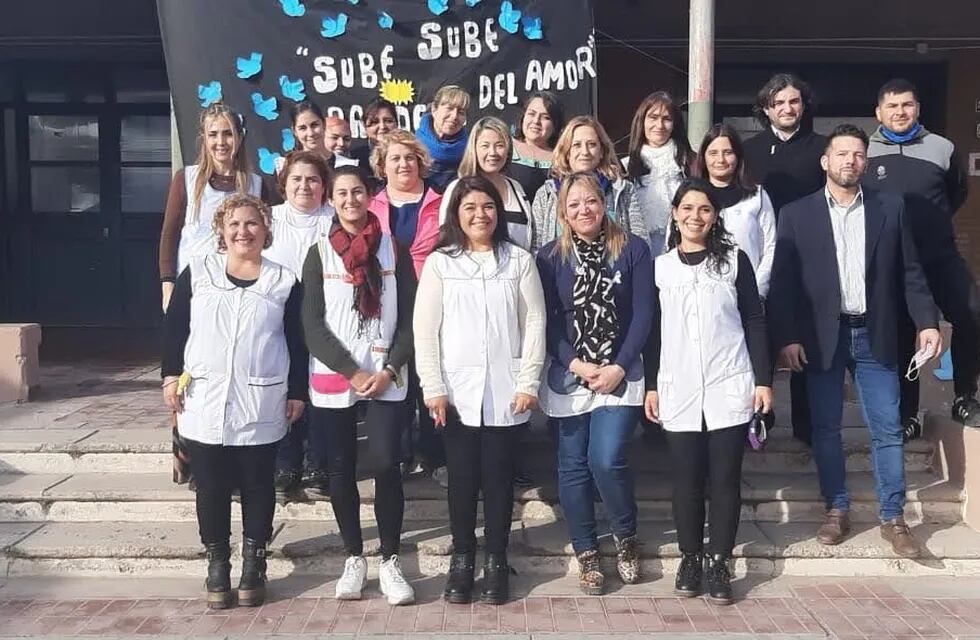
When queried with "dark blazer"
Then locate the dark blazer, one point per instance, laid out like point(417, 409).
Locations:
point(804, 293)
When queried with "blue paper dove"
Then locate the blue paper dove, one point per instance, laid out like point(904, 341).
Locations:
point(209, 93)
point(509, 18)
point(292, 89)
point(265, 107)
point(385, 21)
point(267, 161)
point(472, 3)
point(293, 8)
point(353, 2)
point(288, 140)
point(249, 67)
point(333, 27)
point(438, 7)
point(532, 28)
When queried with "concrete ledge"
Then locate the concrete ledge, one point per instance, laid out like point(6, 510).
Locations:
point(956, 458)
point(19, 366)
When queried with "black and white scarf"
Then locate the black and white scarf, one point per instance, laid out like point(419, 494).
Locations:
point(594, 320)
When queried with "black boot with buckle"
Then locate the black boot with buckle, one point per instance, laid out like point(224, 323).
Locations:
point(218, 582)
point(251, 588)
point(459, 583)
point(496, 579)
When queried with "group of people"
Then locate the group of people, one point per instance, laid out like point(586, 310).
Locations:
point(471, 274)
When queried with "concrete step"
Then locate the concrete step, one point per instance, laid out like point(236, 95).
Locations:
point(767, 497)
point(140, 450)
point(769, 549)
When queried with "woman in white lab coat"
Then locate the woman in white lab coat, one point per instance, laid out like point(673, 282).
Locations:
point(297, 224)
point(234, 370)
point(707, 372)
point(480, 347)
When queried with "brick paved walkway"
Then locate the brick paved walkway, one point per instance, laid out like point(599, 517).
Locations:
point(835, 609)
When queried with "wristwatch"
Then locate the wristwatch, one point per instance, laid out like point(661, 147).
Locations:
point(393, 374)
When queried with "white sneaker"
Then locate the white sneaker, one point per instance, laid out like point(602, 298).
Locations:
point(441, 475)
point(351, 584)
point(393, 583)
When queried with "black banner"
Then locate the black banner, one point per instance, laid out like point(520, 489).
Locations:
point(262, 56)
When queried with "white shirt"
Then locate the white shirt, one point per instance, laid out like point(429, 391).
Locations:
point(847, 222)
point(294, 232)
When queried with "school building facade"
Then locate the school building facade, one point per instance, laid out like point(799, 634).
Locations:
point(85, 135)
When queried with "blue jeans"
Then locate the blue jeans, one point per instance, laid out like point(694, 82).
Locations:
point(592, 455)
point(877, 387)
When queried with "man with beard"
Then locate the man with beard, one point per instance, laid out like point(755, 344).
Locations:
point(834, 306)
point(922, 167)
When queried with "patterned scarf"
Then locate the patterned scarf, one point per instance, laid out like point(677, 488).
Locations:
point(360, 255)
point(594, 320)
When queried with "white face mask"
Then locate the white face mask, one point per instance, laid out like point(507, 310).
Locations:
point(921, 357)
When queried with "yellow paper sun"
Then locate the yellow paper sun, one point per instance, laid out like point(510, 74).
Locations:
point(398, 91)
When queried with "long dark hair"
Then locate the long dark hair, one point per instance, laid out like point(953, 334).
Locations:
point(742, 179)
point(718, 242)
point(684, 156)
point(452, 238)
point(555, 111)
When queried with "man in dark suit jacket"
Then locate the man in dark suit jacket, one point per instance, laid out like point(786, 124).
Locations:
point(844, 269)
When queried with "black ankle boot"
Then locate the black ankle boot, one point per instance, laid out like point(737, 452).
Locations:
point(218, 582)
point(459, 583)
point(251, 588)
point(496, 579)
point(719, 580)
point(689, 574)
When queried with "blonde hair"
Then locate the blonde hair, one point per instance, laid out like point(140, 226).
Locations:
point(205, 163)
point(239, 201)
point(453, 95)
point(616, 237)
point(399, 136)
point(469, 165)
point(608, 163)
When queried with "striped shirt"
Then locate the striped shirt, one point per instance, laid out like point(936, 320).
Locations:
point(847, 221)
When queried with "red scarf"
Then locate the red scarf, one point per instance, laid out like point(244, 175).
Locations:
point(359, 253)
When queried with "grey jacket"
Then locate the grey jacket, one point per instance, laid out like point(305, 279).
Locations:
point(544, 210)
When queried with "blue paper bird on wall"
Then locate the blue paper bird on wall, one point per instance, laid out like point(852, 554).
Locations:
point(265, 107)
point(331, 27)
point(250, 66)
point(438, 7)
point(267, 161)
point(532, 28)
point(292, 8)
point(385, 21)
point(509, 18)
point(295, 90)
point(288, 140)
point(209, 93)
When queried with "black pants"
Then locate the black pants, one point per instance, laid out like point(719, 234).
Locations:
point(714, 457)
point(431, 449)
point(799, 406)
point(383, 427)
point(480, 458)
point(955, 293)
point(217, 470)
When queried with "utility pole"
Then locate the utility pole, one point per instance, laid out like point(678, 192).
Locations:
point(701, 62)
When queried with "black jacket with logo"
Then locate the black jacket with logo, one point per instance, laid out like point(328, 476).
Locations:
point(926, 173)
